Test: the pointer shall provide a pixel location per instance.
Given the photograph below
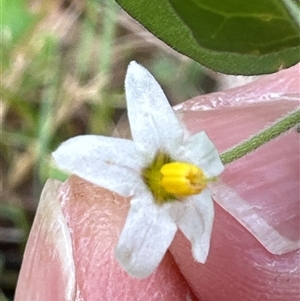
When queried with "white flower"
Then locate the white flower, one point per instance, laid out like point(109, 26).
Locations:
point(132, 168)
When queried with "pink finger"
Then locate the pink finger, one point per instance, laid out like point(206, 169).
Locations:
point(260, 192)
point(70, 253)
point(48, 270)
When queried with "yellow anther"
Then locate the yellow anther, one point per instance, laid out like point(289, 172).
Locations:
point(182, 179)
point(171, 181)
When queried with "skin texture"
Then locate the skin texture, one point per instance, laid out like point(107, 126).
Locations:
point(70, 252)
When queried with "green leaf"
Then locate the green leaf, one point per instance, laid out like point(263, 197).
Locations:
point(15, 23)
point(15, 19)
point(232, 36)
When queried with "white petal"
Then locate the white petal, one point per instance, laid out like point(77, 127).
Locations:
point(111, 163)
point(152, 120)
point(199, 150)
point(147, 234)
point(195, 219)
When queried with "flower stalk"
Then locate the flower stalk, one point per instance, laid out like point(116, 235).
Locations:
point(244, 148)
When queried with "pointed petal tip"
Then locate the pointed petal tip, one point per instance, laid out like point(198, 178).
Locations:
point(200, 249)
point(126, 262)
point(136, 71)
point(145, 239)
point(200, 253)
point(133, 63)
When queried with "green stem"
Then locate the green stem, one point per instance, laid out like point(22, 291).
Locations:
point(279, 127)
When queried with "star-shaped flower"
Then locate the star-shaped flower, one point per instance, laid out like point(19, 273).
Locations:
point(165, 173)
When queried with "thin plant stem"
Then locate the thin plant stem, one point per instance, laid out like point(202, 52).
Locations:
point(244, 148)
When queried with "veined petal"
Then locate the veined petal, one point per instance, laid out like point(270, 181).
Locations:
point(146, 236)
point(152, 120)
point(195, 219)
point(111, 163)
point(199, 150)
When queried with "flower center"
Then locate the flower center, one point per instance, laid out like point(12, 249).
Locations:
point(170, 181)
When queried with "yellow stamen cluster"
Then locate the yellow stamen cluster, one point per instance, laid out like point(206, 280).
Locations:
point(170, 181)
point(182, 179)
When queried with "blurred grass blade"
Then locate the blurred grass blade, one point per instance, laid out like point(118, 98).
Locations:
point(45, 128)
point(102, 111)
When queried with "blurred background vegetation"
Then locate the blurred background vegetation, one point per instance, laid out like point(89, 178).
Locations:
point(63, 64)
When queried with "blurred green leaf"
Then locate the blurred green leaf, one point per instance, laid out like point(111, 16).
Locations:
point(232, 36)
point(15, 19)
point(15, 24)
